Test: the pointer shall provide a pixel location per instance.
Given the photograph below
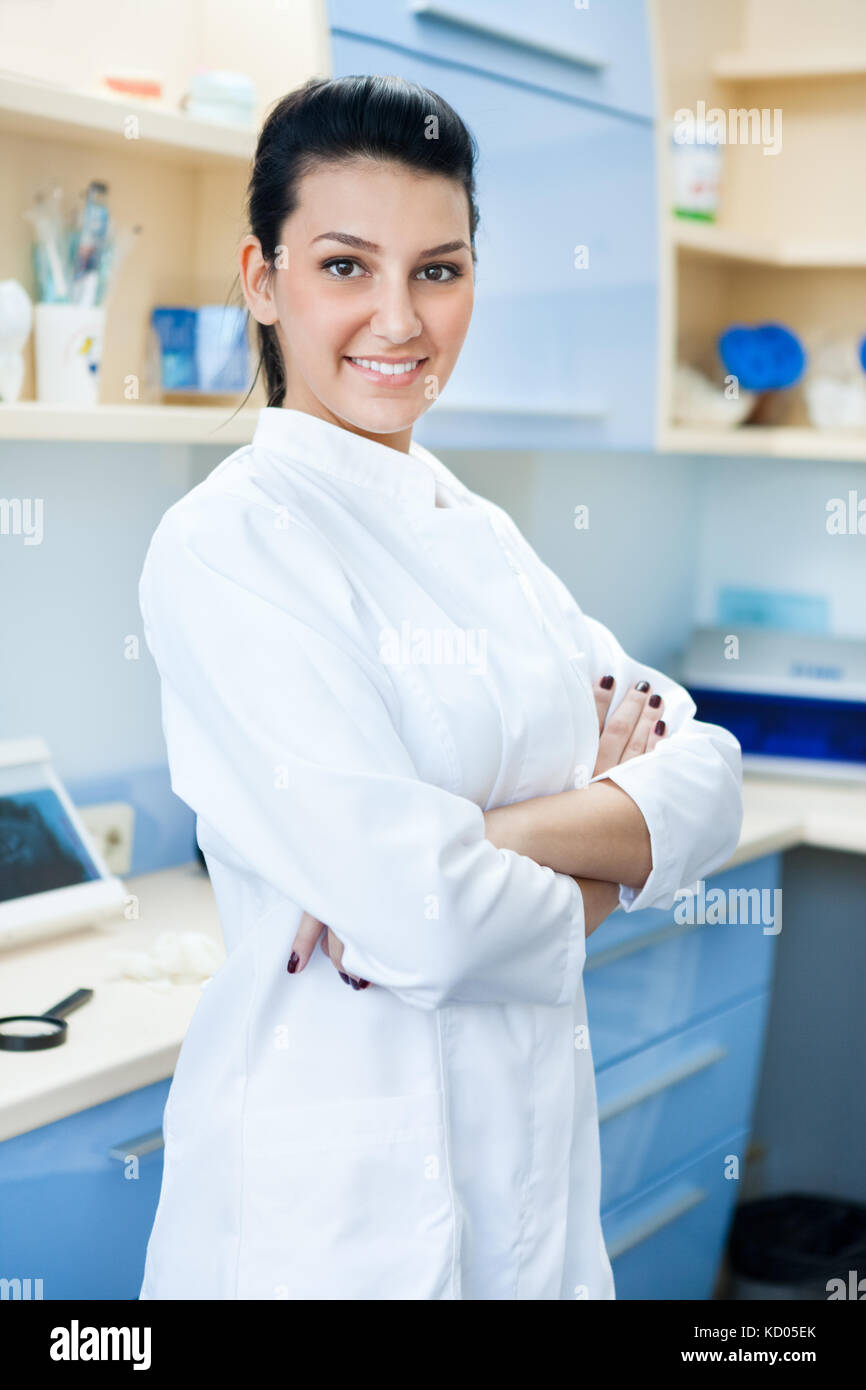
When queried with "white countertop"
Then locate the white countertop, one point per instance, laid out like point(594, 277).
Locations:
point(129, 1034)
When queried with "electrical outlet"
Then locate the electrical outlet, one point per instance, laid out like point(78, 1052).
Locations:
point(110, 826)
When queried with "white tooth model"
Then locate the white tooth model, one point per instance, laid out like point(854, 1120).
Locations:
point(16, 318)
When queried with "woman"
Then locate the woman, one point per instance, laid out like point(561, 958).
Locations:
point(403, 741)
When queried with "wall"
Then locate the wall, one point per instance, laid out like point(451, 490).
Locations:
point(664, 533)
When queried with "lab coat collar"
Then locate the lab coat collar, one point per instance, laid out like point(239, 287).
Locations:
point(309, 440)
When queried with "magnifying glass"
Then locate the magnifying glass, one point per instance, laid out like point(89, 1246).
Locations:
point(35, 1032)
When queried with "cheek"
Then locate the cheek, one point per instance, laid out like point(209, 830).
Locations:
point(450, 319)
point(316, 320)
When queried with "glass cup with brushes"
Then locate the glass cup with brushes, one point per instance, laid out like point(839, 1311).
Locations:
point(74, 263)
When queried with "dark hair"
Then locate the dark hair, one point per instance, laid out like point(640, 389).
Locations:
point(331, 119)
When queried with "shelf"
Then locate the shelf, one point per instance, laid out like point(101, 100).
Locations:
point(61, 113)
point(766, 442)
point(131, 424)
point(710, 239)
point(743, 67)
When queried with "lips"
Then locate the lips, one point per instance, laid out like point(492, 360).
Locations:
point(384, 372)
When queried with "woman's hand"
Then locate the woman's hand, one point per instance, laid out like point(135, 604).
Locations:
point(310, 930)
point(635, 726)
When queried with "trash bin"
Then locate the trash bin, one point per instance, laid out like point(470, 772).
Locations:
point(790, 1246)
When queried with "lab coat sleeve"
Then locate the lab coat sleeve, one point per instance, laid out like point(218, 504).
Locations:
point(279, 719)
point(689, 787)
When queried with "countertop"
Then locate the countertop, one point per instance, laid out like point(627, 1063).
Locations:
point(130, 1032)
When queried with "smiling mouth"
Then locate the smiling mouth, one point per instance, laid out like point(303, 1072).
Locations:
point(388, 373)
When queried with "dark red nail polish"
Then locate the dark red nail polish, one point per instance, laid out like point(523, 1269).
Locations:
point(642, 685)
point(606, 682)
point(343, 977)
point(364, 984)
point(292, 966)
point(654, 701)
point(355, 984)
point(659, 727)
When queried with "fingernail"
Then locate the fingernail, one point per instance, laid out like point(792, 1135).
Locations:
point(606, 682)
point(292, 966)
point(344, 978)
point(660, 727)
point(364, 984)
point(642, 685)
point(654, 701)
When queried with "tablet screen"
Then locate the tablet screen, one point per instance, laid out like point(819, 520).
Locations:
point(40, 848)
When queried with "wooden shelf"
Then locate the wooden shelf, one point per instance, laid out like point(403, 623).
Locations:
point(51, 112)
point(710, 239)
point(744, 67)
point(129, 423)
point(766, 442)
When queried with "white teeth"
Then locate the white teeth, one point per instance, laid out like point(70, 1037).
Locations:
point(386, 368)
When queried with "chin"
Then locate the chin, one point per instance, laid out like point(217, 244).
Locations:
point(382, 417)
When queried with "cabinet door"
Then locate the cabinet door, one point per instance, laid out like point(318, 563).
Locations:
point(665, 1104)
point(648, 974)
point(78, 1199)
point(667, 1243)
point(561, 349)
point(595, 51)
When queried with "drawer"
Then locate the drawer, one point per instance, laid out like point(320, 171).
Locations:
point(667, 1243)
point(650, 976)
point(75, 1212)
point(561, 350)
point(600, 53)
point(662, 1106)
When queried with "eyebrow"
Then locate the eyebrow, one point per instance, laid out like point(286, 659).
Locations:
point(360, 244)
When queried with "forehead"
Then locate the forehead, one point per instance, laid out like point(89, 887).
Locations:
point(380, 198)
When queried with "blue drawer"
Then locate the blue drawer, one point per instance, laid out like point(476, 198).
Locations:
point(561, 350)
point(667, 1243)
point(597, 54)
point(648, 976)
point(664, 1105)
point(76, 1215)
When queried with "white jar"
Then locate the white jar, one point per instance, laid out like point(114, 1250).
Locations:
point(68, 352)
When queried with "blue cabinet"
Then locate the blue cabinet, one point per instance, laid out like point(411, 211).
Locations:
point(665, 1242)
point(598, 52)
point(677, 1012)
point(78, 1199)
point(561, 349)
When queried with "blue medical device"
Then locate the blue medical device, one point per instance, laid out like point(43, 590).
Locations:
point(796, 701)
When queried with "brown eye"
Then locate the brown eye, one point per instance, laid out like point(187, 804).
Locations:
point(440, 274)
point(341, 269)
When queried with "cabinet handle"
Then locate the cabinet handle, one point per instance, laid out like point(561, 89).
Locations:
point(138, 1147)
point(449, 14)
point(668, 932)
point(642, 1230)
point(689, 1067)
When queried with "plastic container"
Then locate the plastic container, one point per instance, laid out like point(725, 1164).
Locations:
point(175, 328)
point(797, 1247)
point(696, 161)
point(204, 351)
point(68, 340)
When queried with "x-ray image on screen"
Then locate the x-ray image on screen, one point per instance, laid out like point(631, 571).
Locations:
point(39, 847)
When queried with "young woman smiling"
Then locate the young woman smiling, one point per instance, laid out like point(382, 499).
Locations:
point(448, 834)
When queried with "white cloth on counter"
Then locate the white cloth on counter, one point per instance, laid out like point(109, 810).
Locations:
point(188, 957)
point(436, 1135)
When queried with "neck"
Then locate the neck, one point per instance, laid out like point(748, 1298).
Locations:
point(307, 402)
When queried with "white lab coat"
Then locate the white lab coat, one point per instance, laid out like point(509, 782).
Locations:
point(436, 1135)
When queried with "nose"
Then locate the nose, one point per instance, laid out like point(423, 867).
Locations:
point(395, 317)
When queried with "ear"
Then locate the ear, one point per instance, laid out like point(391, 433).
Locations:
point(256, 281)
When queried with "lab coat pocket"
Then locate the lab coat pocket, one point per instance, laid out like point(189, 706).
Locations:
point(348, 1200)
